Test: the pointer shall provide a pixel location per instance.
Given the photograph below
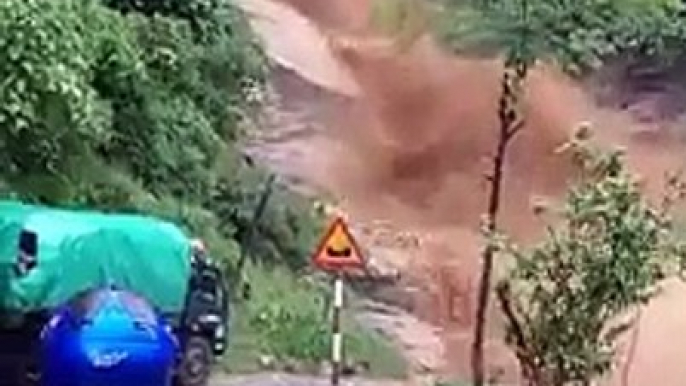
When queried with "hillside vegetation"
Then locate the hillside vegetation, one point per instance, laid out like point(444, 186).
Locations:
point(138, 106)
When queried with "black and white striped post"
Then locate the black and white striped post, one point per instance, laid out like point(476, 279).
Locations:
point(337, 253)
point(337, 335)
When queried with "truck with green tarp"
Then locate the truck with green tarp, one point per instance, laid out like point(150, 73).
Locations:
point(49, 255)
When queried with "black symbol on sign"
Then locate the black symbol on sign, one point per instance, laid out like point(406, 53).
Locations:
point(346, 252)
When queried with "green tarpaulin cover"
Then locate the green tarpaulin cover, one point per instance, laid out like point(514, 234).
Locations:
point(81, 249)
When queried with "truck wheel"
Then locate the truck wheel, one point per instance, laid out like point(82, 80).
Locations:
point(196, 365)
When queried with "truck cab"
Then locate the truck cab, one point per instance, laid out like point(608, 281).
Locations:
point(47, 255)
point(202, 332)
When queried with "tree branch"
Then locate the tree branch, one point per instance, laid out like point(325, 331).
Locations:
point(524, 354)
point(512, 131)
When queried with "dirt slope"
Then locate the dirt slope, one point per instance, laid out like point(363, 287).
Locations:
point(283, 30)
point(659, 352)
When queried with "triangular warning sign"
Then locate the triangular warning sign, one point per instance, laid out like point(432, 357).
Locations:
point(338, 249)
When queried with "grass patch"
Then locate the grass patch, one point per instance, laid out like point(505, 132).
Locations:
point(367, 345)
point(286, 320)
point(452, 383)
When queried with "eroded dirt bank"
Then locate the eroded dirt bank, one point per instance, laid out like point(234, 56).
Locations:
point(411, 143)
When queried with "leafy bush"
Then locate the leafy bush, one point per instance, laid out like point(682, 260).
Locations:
point(565, 298)
point(137, 106)
point(579, 34)
point(291, 319)
point(51, 118)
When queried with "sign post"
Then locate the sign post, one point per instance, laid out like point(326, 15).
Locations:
point(336, 333)
point(337, 253)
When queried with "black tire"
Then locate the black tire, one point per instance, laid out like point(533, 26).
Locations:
point(17, 373)
point(196, 364)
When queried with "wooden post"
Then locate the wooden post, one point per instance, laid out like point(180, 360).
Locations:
point(249, 238)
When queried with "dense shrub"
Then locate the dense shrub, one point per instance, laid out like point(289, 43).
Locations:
point(138, 106)
point(606, 253)
point(579, 34)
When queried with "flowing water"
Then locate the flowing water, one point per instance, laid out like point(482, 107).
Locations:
point(408, 139)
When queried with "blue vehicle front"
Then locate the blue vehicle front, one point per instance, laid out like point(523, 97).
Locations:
point(107, 337)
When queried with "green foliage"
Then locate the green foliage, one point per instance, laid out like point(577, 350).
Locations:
point(186, 9)
point(288, 320)
point(50, 115)
point(579, 34)
point(450, 383)
point(291, 319)
point(288, 229)
point(137, 106)
point(605, 254)
point(405, 20)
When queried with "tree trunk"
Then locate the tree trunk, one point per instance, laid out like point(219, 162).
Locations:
point(478, 361)
point(509, 126)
